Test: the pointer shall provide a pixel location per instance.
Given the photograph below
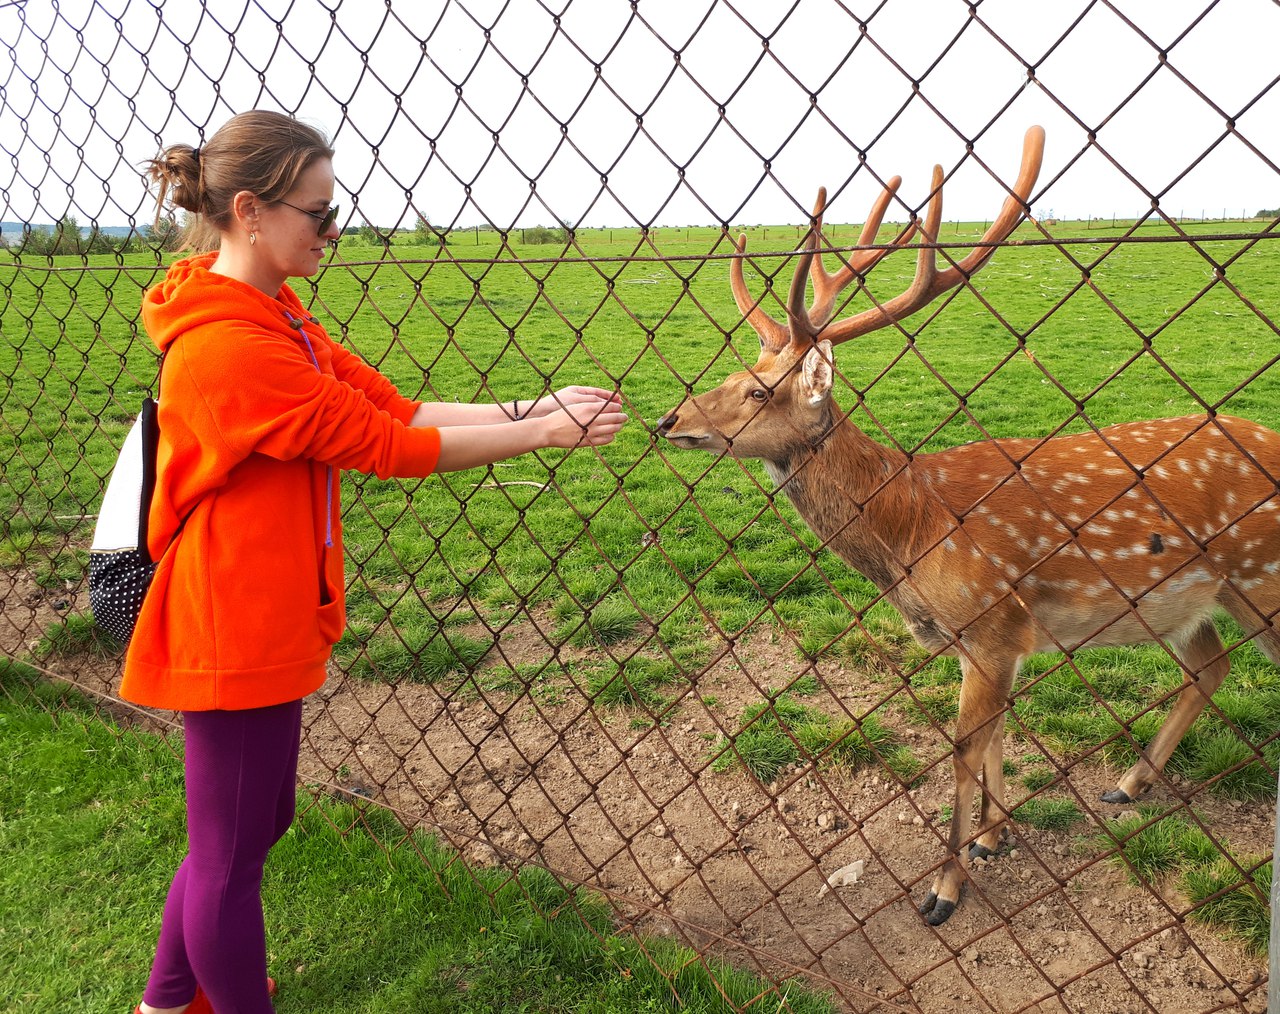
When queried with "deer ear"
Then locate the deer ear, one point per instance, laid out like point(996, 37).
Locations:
point(815, 379)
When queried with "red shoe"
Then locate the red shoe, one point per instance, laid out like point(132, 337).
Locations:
point(200, 1003)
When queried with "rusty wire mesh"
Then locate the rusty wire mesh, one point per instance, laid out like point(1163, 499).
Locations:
point(562, 661)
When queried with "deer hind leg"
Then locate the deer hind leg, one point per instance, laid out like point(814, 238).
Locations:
point(1256, 623)
point(1205, 662)
point(979, 738)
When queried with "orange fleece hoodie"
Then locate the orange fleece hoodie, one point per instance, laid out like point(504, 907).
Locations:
point(248, 599)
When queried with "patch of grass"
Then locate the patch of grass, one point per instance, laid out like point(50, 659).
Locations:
point(499, 679)
point(1168, 845)
point(1038, 777)
point(763, 574)
point(1211, 752)
point(936, 705)
point(27, 687)
point(1118, 746)
point(904, 763)
point(446, 655)
point(1060, 692)
point(764, 752)
point(1048, 814)
point(825, 630)
point(781, 731)
point(850, 743)
point(394, 657)
point(609, 621)
point(76, 634)
point(384, 659)
point(806, 686)
point(882, 644)
point(637, 682)
point(1242, 911)
point(1255, 713)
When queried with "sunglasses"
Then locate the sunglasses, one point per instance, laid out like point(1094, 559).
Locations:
point(325, 220)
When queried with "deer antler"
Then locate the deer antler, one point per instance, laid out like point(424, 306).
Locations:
point(826, 286)
point(774, 334)
point(929, 283)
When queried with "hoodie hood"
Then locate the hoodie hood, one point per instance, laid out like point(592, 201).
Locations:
point(183, 301)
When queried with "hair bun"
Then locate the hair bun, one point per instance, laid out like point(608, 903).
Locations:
point(177, 173)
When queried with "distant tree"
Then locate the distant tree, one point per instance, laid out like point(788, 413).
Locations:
point(66, 237)
point(98, 242)
point(165, 237)
point(33, 242)
point(127, 243)
point(63, 238)
point(1268, 213)
point(540, 234)
point(371, 235)
point(426, 234)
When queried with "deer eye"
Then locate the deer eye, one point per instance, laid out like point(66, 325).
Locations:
point(759, 394)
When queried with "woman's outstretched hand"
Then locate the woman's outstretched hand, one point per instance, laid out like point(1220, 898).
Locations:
point(569, 396)
point(580, 417)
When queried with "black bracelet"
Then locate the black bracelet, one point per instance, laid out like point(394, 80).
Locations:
point(515, 409)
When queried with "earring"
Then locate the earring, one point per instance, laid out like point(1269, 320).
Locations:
point(253, 238)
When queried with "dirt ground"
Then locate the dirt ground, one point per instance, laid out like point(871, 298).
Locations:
point(737, 868)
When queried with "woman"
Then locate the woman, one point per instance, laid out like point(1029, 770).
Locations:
point(259, 410)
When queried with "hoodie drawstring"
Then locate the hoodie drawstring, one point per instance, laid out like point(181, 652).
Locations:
point(294, 322)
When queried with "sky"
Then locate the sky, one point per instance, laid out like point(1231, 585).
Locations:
point(658, 112)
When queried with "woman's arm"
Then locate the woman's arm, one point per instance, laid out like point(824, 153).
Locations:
point(443, 413)
point(590, 425)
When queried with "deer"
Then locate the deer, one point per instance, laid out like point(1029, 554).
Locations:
point(994, 550)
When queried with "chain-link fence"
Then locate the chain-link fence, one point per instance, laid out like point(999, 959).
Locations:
point(639, 667)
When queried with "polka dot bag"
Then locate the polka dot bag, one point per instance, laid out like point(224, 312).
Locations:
point(120, 565)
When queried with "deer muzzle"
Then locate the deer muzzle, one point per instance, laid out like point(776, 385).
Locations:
point(667, 428)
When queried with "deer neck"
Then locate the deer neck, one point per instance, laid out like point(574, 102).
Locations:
point(862, 499)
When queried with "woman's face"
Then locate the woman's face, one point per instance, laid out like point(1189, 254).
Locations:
point(289, 234)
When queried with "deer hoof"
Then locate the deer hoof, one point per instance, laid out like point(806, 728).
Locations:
point(936, 912)
point(977, 851)
point(1116, 796)
point(940, 913)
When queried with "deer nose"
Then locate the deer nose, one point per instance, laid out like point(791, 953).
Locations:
point(665, 424)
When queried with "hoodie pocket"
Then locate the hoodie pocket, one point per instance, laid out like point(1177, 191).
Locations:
point(331, 615)
point(331, 621)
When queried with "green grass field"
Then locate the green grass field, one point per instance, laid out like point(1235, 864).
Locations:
point(660, 555)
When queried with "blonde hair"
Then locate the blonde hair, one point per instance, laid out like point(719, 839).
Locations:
point(260, 151)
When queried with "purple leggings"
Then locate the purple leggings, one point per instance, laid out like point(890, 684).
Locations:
point(241, 771)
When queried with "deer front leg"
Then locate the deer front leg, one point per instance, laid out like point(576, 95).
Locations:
point(983, 692)
point(993, 816)
point(1205, 662)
